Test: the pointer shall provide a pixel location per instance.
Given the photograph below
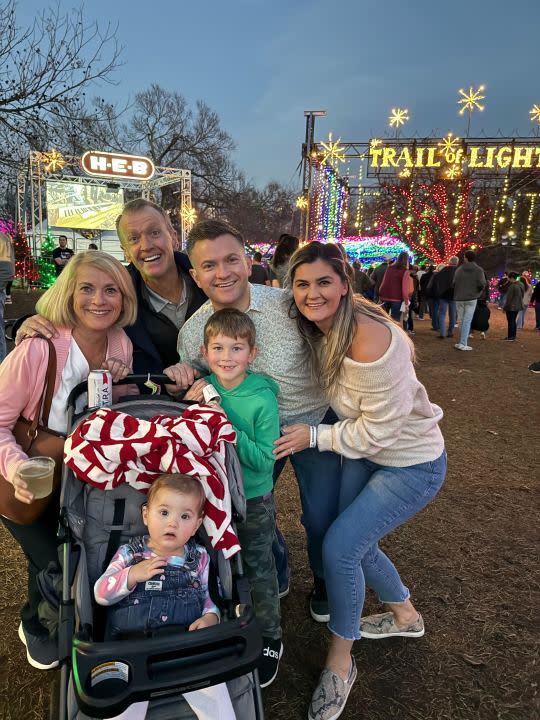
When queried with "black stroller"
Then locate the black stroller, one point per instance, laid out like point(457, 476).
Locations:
point(100, 678)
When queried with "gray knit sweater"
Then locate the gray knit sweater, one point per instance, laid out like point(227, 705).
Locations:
point(385, 413)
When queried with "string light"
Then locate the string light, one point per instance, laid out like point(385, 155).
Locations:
point(301, 202)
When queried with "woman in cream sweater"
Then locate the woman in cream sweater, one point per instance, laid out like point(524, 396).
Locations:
point(394, 461)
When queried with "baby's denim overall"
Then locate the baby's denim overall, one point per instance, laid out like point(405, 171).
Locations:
point(175, 597)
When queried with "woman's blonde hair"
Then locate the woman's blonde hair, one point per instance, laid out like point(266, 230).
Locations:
point(326, 359)
point(56, 305)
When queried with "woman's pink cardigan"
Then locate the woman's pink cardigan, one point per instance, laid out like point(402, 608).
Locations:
point(22, 377)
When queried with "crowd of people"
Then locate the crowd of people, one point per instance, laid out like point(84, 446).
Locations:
point(313, 362)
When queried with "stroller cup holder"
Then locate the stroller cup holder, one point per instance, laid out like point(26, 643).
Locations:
point(110, 676)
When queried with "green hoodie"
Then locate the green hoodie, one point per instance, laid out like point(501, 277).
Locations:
point(252, 409)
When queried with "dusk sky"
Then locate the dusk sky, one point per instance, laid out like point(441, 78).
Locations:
point(260, 64)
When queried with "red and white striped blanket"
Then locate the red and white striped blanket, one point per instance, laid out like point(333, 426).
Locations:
point(110, 448)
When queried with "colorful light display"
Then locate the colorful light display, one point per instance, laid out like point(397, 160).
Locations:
point(433, 220)
point(329, 203)
point(371, 250)
point(47, 271)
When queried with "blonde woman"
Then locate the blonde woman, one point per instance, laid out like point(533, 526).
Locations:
point(88, 305)
point(393, 456)
point(7, 272)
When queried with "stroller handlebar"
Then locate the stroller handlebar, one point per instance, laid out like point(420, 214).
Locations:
point(135, 379)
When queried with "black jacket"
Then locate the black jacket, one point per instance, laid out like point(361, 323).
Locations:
point(442, 284)
point(147, 356)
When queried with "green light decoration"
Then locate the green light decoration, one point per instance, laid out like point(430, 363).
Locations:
point(47, 272)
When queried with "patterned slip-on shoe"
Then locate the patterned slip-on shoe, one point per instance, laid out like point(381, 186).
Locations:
point(330, 696)
point(376, 627)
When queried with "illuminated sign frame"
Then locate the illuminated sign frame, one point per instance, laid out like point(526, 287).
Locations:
point(117, 165)
point(488, 157)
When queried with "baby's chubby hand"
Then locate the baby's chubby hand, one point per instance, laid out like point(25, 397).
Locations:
point(206, 620)
point(145, 570)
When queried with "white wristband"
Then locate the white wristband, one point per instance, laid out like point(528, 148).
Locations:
point(312, 436)
point(211, 394)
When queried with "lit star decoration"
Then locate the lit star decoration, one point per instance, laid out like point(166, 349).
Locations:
point(453, 172)
point(398, 117)
point(375, 142)
point(301, 202)
point(471, 99)
point(405, 173)
point(188, 215)
point(332, 151)
point(534, 112)
point(52, 161)
point(449, 147)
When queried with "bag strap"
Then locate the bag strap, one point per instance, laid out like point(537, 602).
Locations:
point(44, 407)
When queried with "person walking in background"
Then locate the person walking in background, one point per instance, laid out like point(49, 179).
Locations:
point(502, 287)
point(433, 301)
point(363, 284)
point(259, 274)
point(426, 276)
point(469, 285)
point(413, 302)
point(279, 266)
point(61, 254)
point(535, 298)
point(396, 287)
point(443, 291)
point(527, 295)
point(7, 272)
point(378, 275)
point(513, 303)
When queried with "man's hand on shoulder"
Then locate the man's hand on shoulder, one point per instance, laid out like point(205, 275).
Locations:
point(34, 326)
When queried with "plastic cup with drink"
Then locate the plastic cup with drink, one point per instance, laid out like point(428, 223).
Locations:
point(38, 474)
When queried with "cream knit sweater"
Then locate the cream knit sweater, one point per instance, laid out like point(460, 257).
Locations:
point(384, 412)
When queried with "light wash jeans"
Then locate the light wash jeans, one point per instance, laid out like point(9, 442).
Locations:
point(3, 348)
point(374, 500)
point(520, 322)
point(465, 312)
point(444, 306)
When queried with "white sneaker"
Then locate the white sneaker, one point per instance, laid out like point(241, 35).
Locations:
point(459, 346)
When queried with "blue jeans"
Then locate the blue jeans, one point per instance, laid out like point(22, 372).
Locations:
point(393, 307)
point(374, 500)
point(465, 311)
point(434, 307)
point(318, 475)
point(444, 306)
point(2, 333)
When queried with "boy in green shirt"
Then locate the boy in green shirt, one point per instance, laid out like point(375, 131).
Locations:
point(250, 402)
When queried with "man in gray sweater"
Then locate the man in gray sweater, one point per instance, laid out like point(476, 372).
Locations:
point(469, 284)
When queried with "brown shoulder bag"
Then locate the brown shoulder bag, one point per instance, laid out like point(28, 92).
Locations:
point(35, 439)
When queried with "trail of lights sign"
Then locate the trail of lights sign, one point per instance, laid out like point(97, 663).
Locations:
point(453, 155)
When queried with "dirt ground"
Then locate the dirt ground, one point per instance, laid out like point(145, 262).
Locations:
point(470, 559)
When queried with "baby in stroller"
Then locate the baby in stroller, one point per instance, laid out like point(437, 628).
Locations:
point(162, 579)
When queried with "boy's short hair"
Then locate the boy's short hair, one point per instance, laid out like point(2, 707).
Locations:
point(232, 323)
point(210, 230)
point(513, 275)
point(185, 484)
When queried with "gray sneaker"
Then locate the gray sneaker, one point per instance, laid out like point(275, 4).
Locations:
point(330, 696)
point(376, 627)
